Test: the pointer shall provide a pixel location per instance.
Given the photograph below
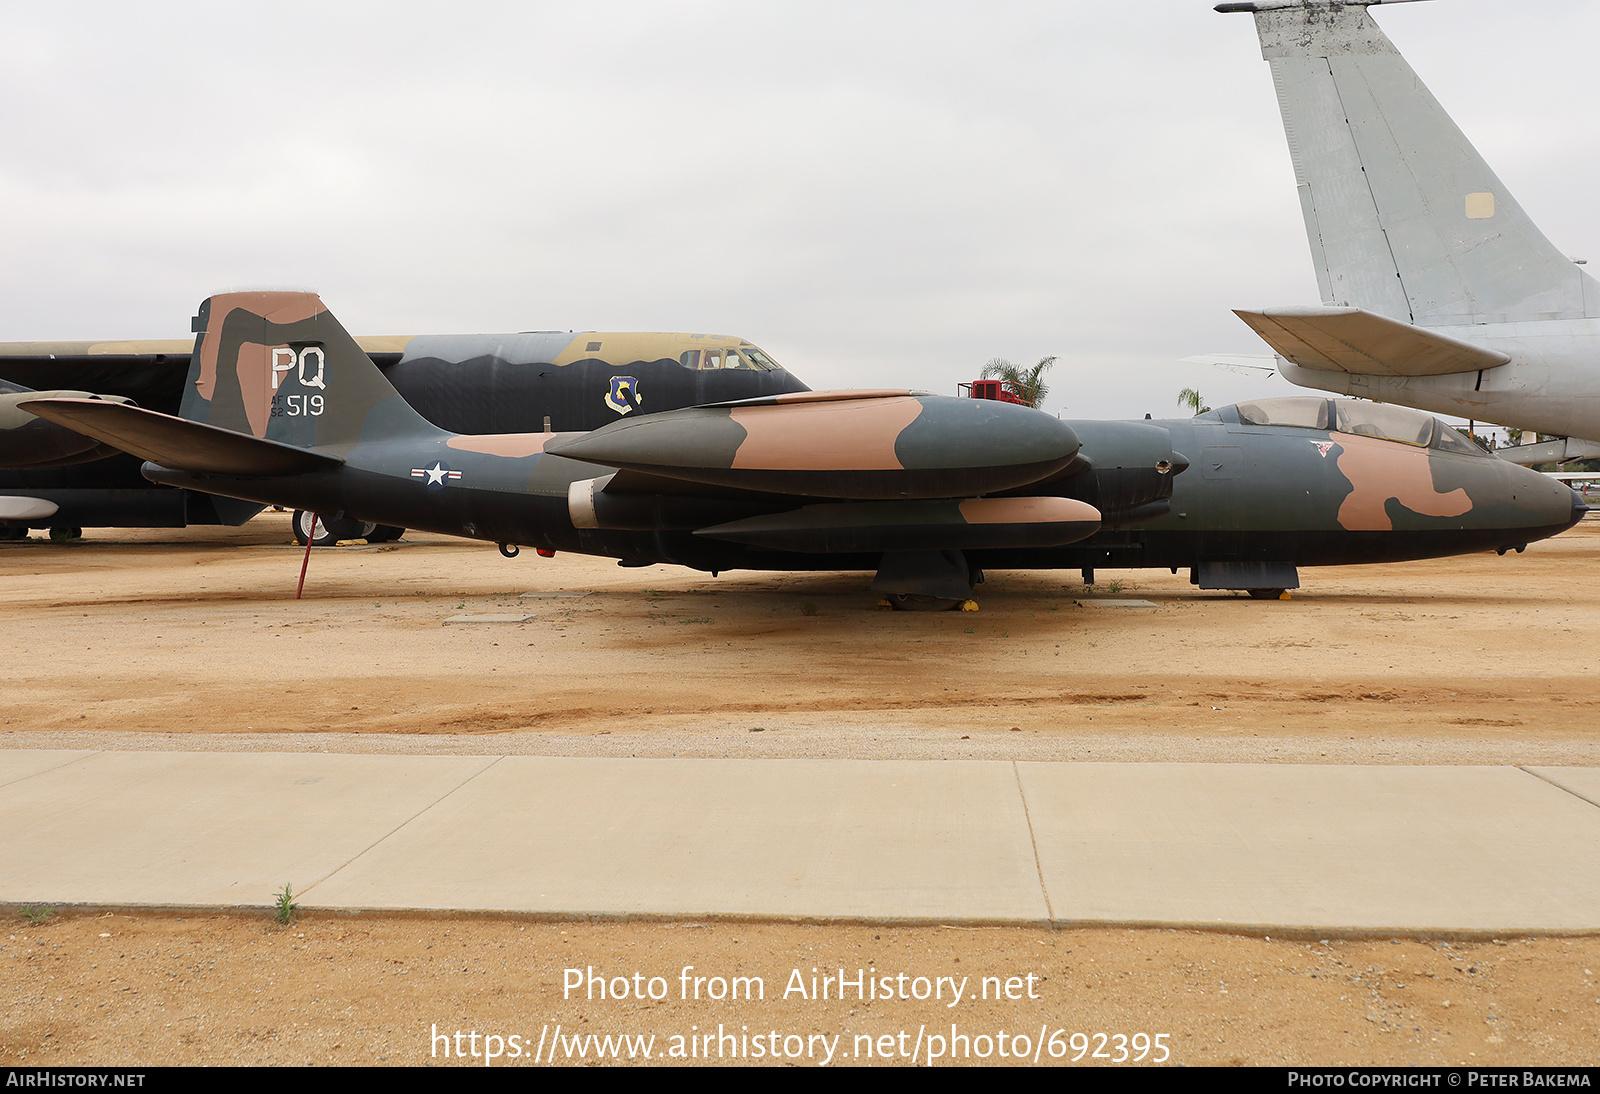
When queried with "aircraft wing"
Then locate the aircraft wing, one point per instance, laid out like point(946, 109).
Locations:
point(179, 444)
point(1343, 339)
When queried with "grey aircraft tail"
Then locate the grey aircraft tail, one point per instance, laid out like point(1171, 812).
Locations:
point(1404, 218)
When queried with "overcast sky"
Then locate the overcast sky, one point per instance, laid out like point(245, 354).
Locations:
point(878, 194)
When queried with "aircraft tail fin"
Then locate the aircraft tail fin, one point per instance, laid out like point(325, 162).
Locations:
point(1403, 215)
point(279, 366)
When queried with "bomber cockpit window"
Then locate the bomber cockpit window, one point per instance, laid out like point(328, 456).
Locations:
point(758, 360)
point(745, 357)
point(1304, 411)
point(1390, 423)
point(703, 359)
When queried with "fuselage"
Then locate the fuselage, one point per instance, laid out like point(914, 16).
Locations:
point(1254, 490)
point(1551, 385)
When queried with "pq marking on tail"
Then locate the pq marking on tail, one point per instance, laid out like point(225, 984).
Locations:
point(285, 358)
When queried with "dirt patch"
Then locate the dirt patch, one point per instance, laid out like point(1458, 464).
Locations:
point(153, 990)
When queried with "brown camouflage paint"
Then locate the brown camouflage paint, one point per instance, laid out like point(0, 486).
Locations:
point(1027, 511)
point(506, 444)
point(840, 435)
point(274, 307)
point(254, 364)
point(1380, 470)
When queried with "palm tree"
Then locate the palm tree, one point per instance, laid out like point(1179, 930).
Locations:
point(1189, 397)
point(1029, 382)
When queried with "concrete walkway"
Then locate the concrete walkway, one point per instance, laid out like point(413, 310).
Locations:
point(1270, 847)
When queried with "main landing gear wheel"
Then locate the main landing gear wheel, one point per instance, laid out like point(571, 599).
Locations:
point(1267, 594)
point(917, 602)
point(7, 534)
point(385, 533)
point(329, 532)
point(65, 534)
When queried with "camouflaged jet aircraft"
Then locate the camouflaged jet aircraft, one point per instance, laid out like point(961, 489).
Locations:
point(1437, 290)
point(475, 383)
point(283, 407)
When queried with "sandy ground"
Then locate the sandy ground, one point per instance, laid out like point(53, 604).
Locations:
point(192, 640)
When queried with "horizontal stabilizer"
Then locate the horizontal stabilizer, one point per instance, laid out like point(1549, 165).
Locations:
point(1357, 341)
point(1560, 450)
point(178, 444)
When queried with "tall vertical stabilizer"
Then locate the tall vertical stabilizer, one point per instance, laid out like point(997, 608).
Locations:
point(1403, 216)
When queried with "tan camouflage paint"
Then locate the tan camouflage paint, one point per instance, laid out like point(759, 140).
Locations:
point(624, 348)
point(255, 384)
point(1027, 511)
point(274, 307)
point(1380, 470)
point(847, 435)
point(514, 445)
point(88, 349)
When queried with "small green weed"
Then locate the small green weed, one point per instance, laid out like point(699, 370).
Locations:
point(1114, 586)
point(36, 916)
point(284, 906)
point(808, 607)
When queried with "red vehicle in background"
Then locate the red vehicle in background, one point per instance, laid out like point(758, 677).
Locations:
point(1003, 391)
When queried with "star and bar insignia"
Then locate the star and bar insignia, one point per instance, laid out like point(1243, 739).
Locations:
point(436, 476)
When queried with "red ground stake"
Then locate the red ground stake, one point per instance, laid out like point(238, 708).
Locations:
point(307, 560)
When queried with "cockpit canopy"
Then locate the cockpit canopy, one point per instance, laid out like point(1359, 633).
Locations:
point(744, 356)
point(1364, 419)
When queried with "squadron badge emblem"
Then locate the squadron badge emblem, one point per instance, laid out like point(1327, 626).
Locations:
point(624, 395)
